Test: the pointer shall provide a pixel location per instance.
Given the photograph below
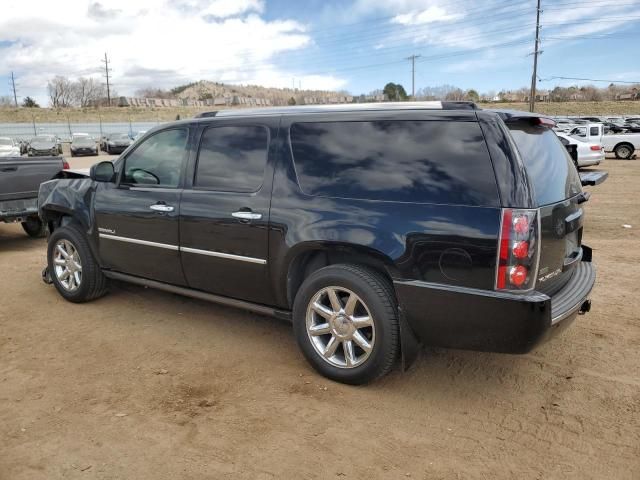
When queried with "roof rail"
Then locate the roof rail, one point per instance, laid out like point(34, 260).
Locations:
point(212, 113)
point(342, 107)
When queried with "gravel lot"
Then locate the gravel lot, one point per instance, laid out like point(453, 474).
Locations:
point(146, 385)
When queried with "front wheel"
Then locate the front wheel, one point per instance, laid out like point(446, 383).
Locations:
point(34, 227)
point(346, 323)
point(72, 267)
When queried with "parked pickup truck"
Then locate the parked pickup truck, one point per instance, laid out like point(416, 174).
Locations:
point(623, 145)
point(20, 179)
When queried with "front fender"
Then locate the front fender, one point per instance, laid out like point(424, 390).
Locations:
point(72, 197)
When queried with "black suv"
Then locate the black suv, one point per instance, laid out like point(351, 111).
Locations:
point(372, 228)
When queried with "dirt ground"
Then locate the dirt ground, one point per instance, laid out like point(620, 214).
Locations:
point(147, 385)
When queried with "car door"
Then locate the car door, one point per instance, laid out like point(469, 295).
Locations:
point(138, 216)
point(224, 214)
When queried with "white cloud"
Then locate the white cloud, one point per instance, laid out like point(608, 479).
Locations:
point(429, 15)
point(150, 43)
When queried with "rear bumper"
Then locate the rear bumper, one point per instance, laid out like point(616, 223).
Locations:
point(473, 319)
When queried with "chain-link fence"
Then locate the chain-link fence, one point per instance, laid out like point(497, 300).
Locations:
point(26, 131)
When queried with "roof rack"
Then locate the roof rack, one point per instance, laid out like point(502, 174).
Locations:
point(351, 107)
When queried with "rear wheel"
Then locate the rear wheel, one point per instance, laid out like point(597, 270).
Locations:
point(346, 323)
point(75, 273)
point(34, 227)
point(624, 151)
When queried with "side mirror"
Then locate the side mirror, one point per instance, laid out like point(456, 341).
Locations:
point(102, 172)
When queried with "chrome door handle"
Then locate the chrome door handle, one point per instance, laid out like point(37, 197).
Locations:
point(158, 207)
point(247, 215)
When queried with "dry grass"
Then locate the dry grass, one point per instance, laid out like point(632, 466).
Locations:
point(164, 114)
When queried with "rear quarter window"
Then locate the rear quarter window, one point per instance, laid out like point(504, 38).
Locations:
point(548, 164)
point(442, 162)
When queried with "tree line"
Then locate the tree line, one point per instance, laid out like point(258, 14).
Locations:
point(83, 92)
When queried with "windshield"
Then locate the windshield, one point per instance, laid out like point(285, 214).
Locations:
point(42, 138)
point(547, 161)
point(5, 141)
point(83, 141)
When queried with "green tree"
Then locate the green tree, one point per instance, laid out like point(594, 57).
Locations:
point(472, 95)
point(395, 91)
point(29, 102)
point(291, 101)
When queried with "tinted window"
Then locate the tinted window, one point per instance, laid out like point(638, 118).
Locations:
point(548, 163)
point(594, 131)
point(232, 158)
point(158, 160)
point(405, 161)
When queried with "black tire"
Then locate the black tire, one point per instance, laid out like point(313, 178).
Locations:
point(624, 151)
point(377, 293)
point(93, 283)
point(34, 227)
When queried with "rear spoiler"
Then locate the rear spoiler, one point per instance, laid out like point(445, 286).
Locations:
point(510, 116)
point(593, 177)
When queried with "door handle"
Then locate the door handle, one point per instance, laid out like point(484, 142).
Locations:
point(9, 169)
point(247, 215)
point(159, 207)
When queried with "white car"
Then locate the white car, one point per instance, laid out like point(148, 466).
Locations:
point(589, 153)
point(8, 147)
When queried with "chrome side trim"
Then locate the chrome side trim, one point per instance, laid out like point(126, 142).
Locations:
point(228, 256)
point(139, 242)
point(197, 251)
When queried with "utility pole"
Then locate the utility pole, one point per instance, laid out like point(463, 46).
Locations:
point(106, 74)
point(413, 74)
point(13, 87)
point(534, 77)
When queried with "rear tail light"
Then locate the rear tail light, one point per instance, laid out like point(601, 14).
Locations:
point(518, 250)
point(596, 148)
point(65, 165)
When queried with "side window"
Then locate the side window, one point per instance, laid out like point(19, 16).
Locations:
point(232, 158)
point(158, 160)
point(404, 161)
point(594, 131)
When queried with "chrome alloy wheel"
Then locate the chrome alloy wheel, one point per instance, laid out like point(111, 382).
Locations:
point(67, 265)
point(340, 327)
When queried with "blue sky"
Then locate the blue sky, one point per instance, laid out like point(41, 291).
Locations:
point(354, 45)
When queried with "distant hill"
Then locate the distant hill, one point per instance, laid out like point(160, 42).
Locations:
point(214, 93)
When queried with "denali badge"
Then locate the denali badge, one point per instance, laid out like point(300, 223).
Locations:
point(550, 275)
point(105, 230)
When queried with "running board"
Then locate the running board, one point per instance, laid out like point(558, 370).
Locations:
point(209, 297)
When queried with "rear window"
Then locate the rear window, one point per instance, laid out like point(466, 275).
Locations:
point(405, 161)
point(548, 163)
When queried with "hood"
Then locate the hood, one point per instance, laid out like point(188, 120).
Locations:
point(42, 145)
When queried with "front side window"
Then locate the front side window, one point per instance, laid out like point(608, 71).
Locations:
point(158, 160)
point(232, 158)
point(444, 162)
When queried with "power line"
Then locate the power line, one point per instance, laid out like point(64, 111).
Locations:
point(589, 80)
point(106, 74)
point(532, 96)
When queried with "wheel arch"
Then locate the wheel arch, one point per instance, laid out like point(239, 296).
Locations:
point(309, 257)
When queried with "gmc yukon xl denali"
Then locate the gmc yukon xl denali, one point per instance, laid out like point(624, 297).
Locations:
point(372, 228)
